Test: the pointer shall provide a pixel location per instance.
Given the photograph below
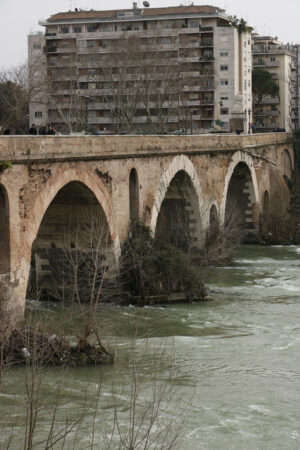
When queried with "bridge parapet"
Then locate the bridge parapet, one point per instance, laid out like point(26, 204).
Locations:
point(28, 148)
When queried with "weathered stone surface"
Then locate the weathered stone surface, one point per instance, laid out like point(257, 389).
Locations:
point(43, 165)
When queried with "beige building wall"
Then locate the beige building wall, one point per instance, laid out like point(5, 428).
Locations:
point(37, 69)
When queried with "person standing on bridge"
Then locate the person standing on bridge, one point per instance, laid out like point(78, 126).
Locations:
point(32, 129)
point(43, 130)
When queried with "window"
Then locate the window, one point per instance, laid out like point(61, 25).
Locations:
point(64, 29)
point(77, 29)
point(90, 43)
point(81, 43)
point(194, 23)
point(224, 111)
point(224, 97)
point(53, 61)
point(223, 54)
point(91, 28)
point(65, 59)
point(166, 25)
point(224, 82)
point(273, 59)
point(64, 44)
point(166, 40)
point(224, 67)
point(38, 114)
point(37, 46)
point(245, 43)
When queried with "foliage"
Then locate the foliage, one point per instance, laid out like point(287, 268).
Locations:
point(240, 24)
point(296, 142)
point(152, 266)
point(263, 85)
point(14, 99)
point(5, 165)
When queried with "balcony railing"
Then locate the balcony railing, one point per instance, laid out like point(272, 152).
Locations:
point(261, 63)
point(268, 125)
point(267, 113)
point(270, 101)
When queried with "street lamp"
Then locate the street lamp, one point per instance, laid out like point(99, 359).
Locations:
point(116, 111)
point(186, 117)
point(219, 105)
point(249, 116)
point(191, 114)
point(87, 97)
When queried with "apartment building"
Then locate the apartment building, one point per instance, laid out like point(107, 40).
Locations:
point(279, 60)
point(296, 94)
point(142, 70)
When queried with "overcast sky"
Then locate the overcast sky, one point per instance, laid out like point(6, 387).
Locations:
point(20, 17)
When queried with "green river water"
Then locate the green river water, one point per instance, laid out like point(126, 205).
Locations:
point(230, 368)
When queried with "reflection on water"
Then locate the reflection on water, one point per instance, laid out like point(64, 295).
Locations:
point(235, 375)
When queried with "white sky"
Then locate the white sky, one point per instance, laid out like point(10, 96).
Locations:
point(20, 17)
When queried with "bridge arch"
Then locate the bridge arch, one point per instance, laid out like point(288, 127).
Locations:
point(74, 238)
point(240, 190)
point(4, 231)
point(178, 194)
point(287, 164)
point(58, 180)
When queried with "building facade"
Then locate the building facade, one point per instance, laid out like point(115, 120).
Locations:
point(281, 62)
point(142, 70)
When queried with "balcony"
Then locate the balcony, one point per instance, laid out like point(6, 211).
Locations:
point(261, 63)
point(50, 49)
point(267, 113)
point(206, 43)
point(188, 30)
point(268, 125)
point(192, 74)
point(270, 101)
point(189, 45)
point(206, 29)
point(189, 59)
point(66, 50)
point(263, 50)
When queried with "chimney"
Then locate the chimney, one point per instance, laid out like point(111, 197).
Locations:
point(134, 5)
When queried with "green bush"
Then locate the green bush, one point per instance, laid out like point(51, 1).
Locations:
point(152, 266)
point(5, 165)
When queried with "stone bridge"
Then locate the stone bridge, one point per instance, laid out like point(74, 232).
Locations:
point(56, 178)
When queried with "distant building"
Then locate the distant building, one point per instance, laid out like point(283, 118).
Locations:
point(37, 70)
point(142, 70)
point(280, 61)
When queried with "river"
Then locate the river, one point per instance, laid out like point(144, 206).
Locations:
point(229, 368)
